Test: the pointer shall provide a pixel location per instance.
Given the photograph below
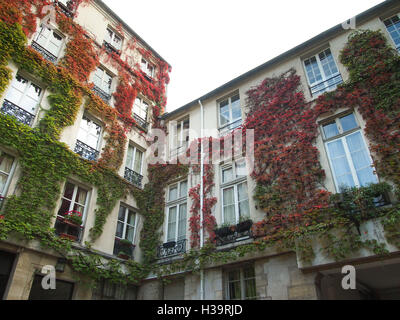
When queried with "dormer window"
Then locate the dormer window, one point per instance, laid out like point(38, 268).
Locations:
point(147, 68)
point(113, 41)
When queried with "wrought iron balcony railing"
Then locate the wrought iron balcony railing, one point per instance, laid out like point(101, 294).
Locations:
point(106, 97)
point(133, 177)
point(45, 53)
point(170, 249)
point(13, 110)
point(326, 85)
point(123, 249)
point(86, 151)
point(140, 121)
point(110, 48)
point(67, 10)
point(241, 231)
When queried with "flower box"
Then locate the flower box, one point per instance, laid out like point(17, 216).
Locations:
point(124, 256)
point(224, 231)
point(68, 236)
point(244, 225)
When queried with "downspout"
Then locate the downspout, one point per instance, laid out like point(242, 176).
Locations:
point(201, 196)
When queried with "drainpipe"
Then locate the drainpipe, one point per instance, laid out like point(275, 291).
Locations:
point(201, 197)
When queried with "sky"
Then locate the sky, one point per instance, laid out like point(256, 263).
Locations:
point(210, 42)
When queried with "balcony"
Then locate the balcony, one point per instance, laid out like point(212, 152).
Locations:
point(68, 230)
point(133, 177)
point(171, 249)
point(235, 233)
point(141, 122)
point(106, 97)
point(22, 115)
point(110, 48)
point(123, 249)
point(45, 53)
point(86, 151)
point(327, 85)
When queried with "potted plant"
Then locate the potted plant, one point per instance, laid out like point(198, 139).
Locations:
point(68, 236)
point(225, 229)
point(123, 255)
point(74, 217)
point(169, 244)
point(244, 224)
point(125, 247)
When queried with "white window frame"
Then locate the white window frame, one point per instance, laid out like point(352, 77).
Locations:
point(125, 224)
point(342, 136)
point(104, 72)
point(9, 175)
point(177, 143)
point(322, 72)
point(176, 203)
point(99, 139)
point(49, 39)
point(30, 82)
point(113, 36)
point(142, 103)
point(235, 182)
point(71, 205)
point(135, 149)
point(242, 281)
point(144, 65)
point(232, 121)
point(390, 35)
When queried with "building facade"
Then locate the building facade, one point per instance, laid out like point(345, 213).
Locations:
point(132, 227)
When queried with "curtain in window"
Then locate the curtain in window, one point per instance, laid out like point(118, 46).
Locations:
point(138, 162)
point(171, 224)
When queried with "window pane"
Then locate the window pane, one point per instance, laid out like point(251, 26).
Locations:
point(120, 229)
point(173, 193)
point(227, 175)
point(236, 111)
point(361, 160)
point(224, 113)
point(138, 162)
point(341, 168)
point(313, 72)
point(131, 218)
point(182, 222)
point(121, 214)
point(330, 130)
point(64, 208)
point(69, 190)
point(81, 196)
point(183, 191)
point(229, 205)
point(250, 288)
point(130, 231)
point(171, 224)
point(348, 122)
point(243, 200)
point(129, 157)
point(6, 162)
point(328, 63)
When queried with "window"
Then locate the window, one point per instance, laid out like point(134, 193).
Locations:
point(102, 80)
point(147, 68)
point(49, 40)
point(63, 290)
point(140, 109)
point(6, 263)
point(106, 290)
point(230, 113)
point(22, 99)
point(179, 137)
point(241, 284)
point(322, 72)
point(6, 168)
point(235, 199)
point(88, 142)
point(126, 225)
point(176, 212)
point(113, 39)
point(347, 152)
point(74, 198)
point(393, 27)
point(134, 159)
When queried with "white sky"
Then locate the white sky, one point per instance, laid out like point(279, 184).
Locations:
point(210, 42)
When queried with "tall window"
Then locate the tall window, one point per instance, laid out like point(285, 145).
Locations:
point(126, 224)
point(88, 143)
point(241, 284)
point(140, 108)
point(103, 80)
point(393, 27)
point(147, 68)
point(348, 155)
point(134, 159)
point(22, 99)
point(113, 39)
point(106, 290)
point(322, 72)
point(176, 212)
point(49, 40)
point(230, 113)
point(235, 199)
point(6, 166)
point(179, 137)
point(74, 198)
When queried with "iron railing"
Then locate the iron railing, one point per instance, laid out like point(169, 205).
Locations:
point(110, 48)
point(171, 249)
point(22, 115)
point(44, 52)
point(230, 127)
point(140, 121)
point(65, 10)
point(133, 177)
point(86, 151)
point(326, 85)
point(106, 97)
